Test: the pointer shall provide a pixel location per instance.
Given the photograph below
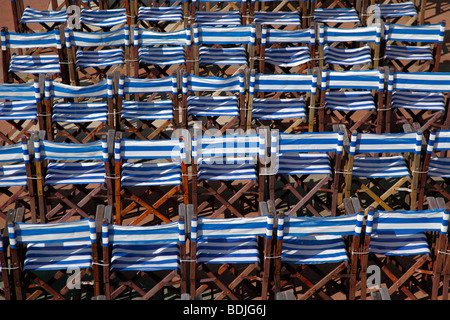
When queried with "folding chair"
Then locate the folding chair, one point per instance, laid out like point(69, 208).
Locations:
point(297, 157)
point(385, 167)
point(413, 48)
point(150, 179)
point(410, 11)
point(280, 99)
point(396, 241)
point(220, 99)
point(71, 177)
point(149, 261)
point(161, 53)
point(218, 13)
point(318, 245)
point(434, 174)
point(54, 259)
point(226, 253)
point(79, 114)
point(104, 20)
point(25, 54)
point(417, 97)
point(280, 13)
point(226, 171)
point(166, 16)
point(19, 110)
point(47, 19)
point(353, 98)
point(16, 184)
point(291, 51)
point(95, 53)
point(349, 48)
point(223, 50)
point(154, 109)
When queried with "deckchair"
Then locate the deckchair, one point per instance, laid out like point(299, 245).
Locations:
point(417, 97)
point(84, 170)
point(413, 48)
point(298, 157)
point(225, 172)
point(226, 258)
point(25, 54)
point(145, 262)
point(150, 179)
point(147, 108)
point(317, 244)
point(54, 259)
point(79, 114)
point(215, 102)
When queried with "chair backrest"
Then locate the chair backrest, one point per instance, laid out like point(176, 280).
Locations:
point(306, 142)
point(291, 226)
point(215, 84)
point(417, 33)
point(103, 18)
point(54, 89)
point(370, 34)
point(49, 150)
point(49, 39)
point(130, 85)
point(270, 35)
point(419, 81)
point(173, 149)
point(20, 91)
point(410, 142)
point(224, 35)
point(407, 222)
point(260, 82)
point(438, 141)
point(361, 79)
point(22, 101)
point(15, 152)
point(84, 39)
point(144, 37)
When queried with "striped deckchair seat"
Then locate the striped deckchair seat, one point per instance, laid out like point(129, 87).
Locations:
point(287, 56)
point(103, 18)
point(55, 246)
point(439, 166)
point(31, 15)
point(172, 13)
point(394, 10)
point(148, 110)
point(226, 105)
point(217, 17)
point(313, 240)
point(285, 108)
point(230, 240)
point(400, 233)
point(336, 15)
point(12, 170)
point(161, 48)
point(20, 101)
point(144, 248)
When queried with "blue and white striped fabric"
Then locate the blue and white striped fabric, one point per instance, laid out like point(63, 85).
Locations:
point(400, 233)
point(161, 48)
point(383, 167)
point(334, 15)
point(228, 157)
point(103, 18)
point(227, 105)
point(394, 10)
point(277, 18)
point(24, 101)
point(238, 36)
point(230, 240)
point(144, 248)
point(305, 153)
point(31, 15)
point(154, 173)
point(433, 33)
point(55, 246)
point(90, 171)
point(36, 63)
point(14, 173)
point(119, 38)
point(315, 240)
point(217, 17)
point(439, 166)
point(347, 56)
point(287, 56)
point(148, 110)
point(419, 90)
point(76, 112)
point(172, 13)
